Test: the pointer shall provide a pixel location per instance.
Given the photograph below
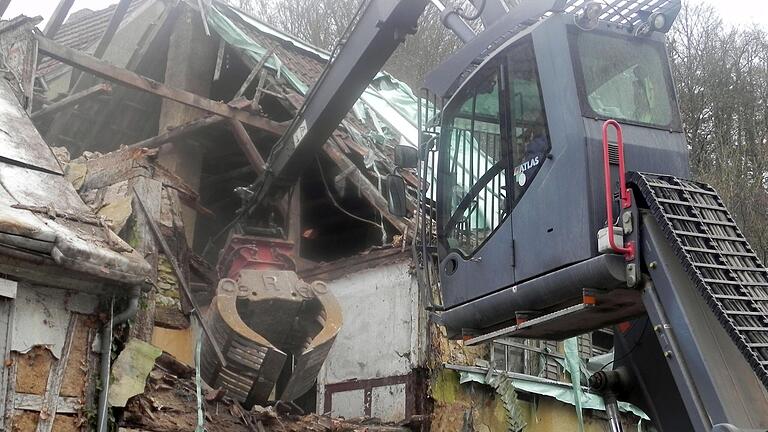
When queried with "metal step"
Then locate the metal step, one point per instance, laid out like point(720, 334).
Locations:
point(717, 257)
point(605, 308)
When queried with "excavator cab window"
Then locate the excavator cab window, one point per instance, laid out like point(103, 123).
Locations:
point(528, 122)
point(624, 78)
point(474, 164)
point(494, 126)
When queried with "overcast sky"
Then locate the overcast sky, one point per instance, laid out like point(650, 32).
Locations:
point(738, 12)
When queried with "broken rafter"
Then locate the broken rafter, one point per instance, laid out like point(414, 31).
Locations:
point(178, 132)
point(248, 148)
point(114, 23)
point(57, 19)
point(366, 188)
point(219, 59)
point(74, 99)
point(168, 16)
point(130, 79)
point(255, 71)
point(201, 6)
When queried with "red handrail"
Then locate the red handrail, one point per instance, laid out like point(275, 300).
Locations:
point(626, 201)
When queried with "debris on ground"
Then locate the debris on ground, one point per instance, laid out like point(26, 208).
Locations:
point(168, 404)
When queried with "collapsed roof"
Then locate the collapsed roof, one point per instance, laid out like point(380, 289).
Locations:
point(47, 233)
point(359, 153)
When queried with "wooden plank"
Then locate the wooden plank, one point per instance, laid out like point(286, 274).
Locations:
point(6, 325)
point(30, 91)
point(114, 23)
point(178, 132)
point(58, 17)
point(219, 59)
point(182, 281)
point(150, 192)
point(130, 79)
point(259, 90)
point(70, 100)
point(201, 6)
point(255, 71)
point(248, 148)
point(51, 398)
point(32, 402)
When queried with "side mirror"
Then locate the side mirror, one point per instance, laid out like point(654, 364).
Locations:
point(406, 156)
point(397, 195)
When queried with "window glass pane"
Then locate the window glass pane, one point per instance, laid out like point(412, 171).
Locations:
point(625, 79)
point(475, 152)
point(530, 137)
point(499, 357)
point(474, 165)
point(515, 360)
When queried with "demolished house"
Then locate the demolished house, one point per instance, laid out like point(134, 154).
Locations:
point(130, 141)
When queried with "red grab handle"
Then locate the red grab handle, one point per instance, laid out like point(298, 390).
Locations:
point(626, 201)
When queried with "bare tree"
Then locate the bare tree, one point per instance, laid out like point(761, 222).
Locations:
point(322, 23)
point(721, 75)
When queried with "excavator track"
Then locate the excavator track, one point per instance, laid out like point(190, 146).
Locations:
point(717, 258)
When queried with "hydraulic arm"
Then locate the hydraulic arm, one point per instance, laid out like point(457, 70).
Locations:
point(380, 27)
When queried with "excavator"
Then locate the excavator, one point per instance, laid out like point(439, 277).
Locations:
point(556, 198)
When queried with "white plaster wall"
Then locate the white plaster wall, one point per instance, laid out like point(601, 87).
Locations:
point(381, 335)
point(348, 404)
point(388, 402)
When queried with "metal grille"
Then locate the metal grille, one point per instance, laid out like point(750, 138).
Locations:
point(429, 107)
point(716, 255)
point(613, 153)
point(628, 12)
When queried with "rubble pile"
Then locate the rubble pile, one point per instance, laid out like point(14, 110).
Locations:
point(169, 404)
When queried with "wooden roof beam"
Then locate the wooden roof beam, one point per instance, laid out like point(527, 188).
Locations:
point(248, 148)
point(133, 80)
point(58, 17)
point(114, 23)
point(71, 100)
point(366, 188)
point(179, 132)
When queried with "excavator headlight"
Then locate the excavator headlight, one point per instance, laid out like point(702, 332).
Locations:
point(589, 16)
point(593, 10)
point(657, 21)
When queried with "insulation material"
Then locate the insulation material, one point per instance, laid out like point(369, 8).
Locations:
point(130, 371)
point(573, 365)
point(235, 37)
point(393, 118)
point(32, 370)
point(42, 316)
point(391, 100)
point(560, 391)
point(178, 343)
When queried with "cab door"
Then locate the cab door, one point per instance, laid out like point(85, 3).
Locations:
point(493, 139)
